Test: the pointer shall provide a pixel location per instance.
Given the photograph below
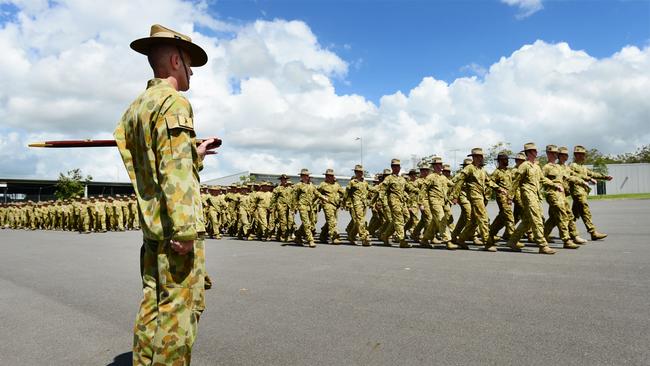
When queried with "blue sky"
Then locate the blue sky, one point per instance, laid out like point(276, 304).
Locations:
point(391, 45)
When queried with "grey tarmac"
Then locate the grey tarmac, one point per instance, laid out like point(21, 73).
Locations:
point(70, 299)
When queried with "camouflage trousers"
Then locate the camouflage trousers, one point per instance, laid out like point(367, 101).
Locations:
point(505, 218)
point(439, 224)
point(465, 215)
point(557, 215)
point(172, 303)
point(478, 220)
point(330, 228)
point(581, 210)
point(531, 219)
point(357, 224)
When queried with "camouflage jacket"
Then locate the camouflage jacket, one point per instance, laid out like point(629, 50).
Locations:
point(157, 143)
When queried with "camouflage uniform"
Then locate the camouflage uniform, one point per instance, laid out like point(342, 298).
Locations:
point(157, 143)
point(334, 193)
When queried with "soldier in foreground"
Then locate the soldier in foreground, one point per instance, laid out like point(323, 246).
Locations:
point(156, 140)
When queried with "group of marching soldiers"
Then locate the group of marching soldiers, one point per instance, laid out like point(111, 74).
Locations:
point(416, 207)
point(410, 208)
point(85, 215)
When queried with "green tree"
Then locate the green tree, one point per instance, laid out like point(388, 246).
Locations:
point(247, 179)
point(71, 184)
point(598, 160)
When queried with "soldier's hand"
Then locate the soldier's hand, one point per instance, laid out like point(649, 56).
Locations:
point(454, 201)
point(609, 177)
point(503, 191)
point(182, 247)
point(559, 188)
point(592, 181)
point(208, 147)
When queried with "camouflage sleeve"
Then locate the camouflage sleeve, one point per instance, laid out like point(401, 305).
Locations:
point(174, 154)
point(596, 175)
point(516, 181)
point(460, 180)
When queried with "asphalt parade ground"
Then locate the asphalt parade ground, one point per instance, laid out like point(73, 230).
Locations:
point(71, 299)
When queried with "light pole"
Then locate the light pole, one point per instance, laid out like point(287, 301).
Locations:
point(360, 139)
point(454, 151)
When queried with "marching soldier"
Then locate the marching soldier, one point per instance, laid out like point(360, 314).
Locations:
point(579, 193)
point(476, 181)
point(334, 194)
point(503, 178)
point(529, 181)
point(437, 187)
point(305, 195)
point(358, 195)
point(557, 207)
point(282, 203)
point(396, 196)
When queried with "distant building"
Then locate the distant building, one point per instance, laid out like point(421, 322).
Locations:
point(36, 190)
point(273, 178)
point(628, 178)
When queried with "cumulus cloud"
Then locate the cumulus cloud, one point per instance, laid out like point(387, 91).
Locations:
point(268, 91)
point(526, 7)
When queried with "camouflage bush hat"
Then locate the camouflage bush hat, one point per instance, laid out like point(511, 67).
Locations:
point(395, 162)
point(446, 168)
point(436, 160)
point(304, 171)
point(329, 172)
point(502, 154)
point(476, 151)
point(283, 176)
point(530, 146)
point(520, 156)
point(579, 149)
point(162, 35)
point(387, 172)
point(563, 150)
point(412, 172)
point(552, 148)
point(358, 168)
point(467, 162)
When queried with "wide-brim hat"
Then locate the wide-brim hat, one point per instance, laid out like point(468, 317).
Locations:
point(563, 150)
point(520, 156)
point(446, 168)
point(387, 172)
point(304, 172)
point(530, 146)
point(476, 151)
point(283, 176)
point(163, 35)
point(436, 160)
point(395, 162)
point(502, 154)
point(579, 149)
point(412, 172)
point(358, 168)
point(467, 162)
point(329, 172)
point(552, 148)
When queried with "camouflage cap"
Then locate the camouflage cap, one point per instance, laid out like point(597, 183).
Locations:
point(552, 148)
point(395, 162)
point(579, 149)
point(520, 156)
point(530, 146)
point(161, 35)
point(476, 151)
point(563, 150)
point(329, 172)
point(446, 168)
point(358, 168)
point(304, 171)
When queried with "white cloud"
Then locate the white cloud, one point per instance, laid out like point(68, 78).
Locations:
point(268, 92)
point(526, 7)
